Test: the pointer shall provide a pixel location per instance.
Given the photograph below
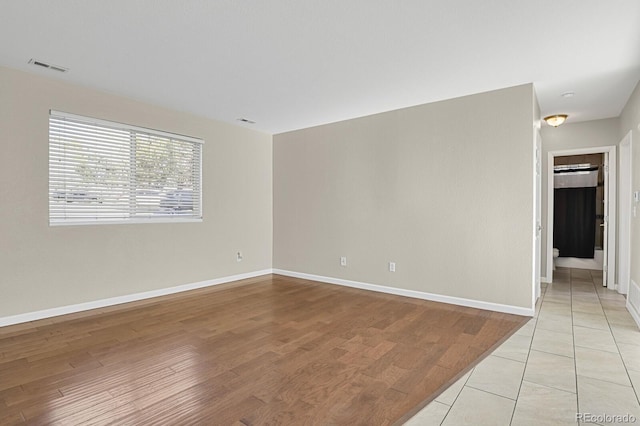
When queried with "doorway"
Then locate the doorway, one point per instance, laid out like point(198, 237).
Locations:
point(607, 213)
point(578, 224)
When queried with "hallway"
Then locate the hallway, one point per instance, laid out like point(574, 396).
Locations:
point(579, 354)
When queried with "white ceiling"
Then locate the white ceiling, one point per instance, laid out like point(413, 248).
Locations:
point(290, 64)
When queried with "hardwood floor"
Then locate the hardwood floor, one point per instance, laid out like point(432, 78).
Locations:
point(268, 350)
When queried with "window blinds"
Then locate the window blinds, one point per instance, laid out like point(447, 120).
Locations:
point(105, 172)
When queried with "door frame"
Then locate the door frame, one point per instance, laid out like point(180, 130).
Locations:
point(537, 213)
point(625, 208)
point(610, 162)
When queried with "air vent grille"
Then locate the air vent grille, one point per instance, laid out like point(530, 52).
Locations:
point(46, 65)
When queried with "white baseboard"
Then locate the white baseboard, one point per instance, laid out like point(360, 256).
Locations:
point(545, 280)
point(103, 303)
point(633, 301)
point(70, 309)
point(509, 309)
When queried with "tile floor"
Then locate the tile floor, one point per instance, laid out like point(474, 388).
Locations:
point(579, 354)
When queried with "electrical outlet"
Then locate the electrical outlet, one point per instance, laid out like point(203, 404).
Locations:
point(238, 256)
point(392, 266)
point(343, 261)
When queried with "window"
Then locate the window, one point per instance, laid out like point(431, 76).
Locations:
point(106, 172)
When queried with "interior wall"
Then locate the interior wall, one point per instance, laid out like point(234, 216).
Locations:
point(44, 267)
point(444, 190)
point(630, 121)
point(586, 134)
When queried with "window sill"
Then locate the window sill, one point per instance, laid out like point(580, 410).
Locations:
point(126, 222)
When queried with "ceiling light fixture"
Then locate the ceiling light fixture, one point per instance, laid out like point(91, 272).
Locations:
point(555, 120)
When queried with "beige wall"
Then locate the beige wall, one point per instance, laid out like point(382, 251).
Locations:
point(44, 267)
point(586, 134)
point(445, 190)
point(630, 121)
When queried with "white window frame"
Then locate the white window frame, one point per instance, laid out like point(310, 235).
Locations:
point(162, 218)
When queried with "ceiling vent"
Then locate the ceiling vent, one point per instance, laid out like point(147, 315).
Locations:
point(46, 65)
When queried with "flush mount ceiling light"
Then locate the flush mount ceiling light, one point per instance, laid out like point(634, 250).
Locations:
point(555, 120)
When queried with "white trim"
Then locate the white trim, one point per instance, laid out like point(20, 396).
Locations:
point(103, 303)
point(633, 289)
point(70, 309)
point(102, 221)
point(612, 227)
point(536, 250)
point(581, 151)
point(545, 280)
point(549, 251)
point(625, 213)
point(612, 195)
point(497, 307)
point(634, 314)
